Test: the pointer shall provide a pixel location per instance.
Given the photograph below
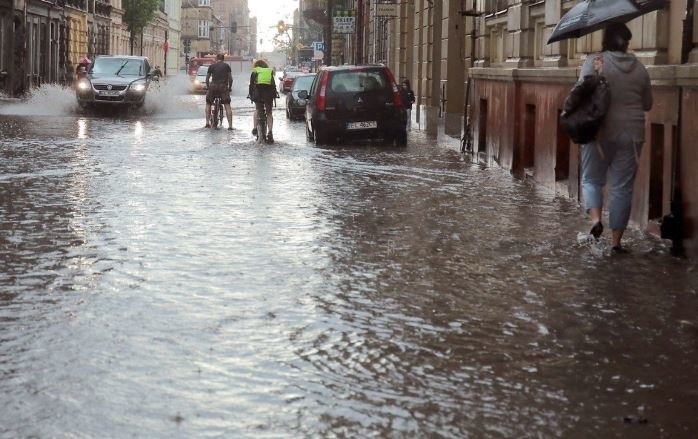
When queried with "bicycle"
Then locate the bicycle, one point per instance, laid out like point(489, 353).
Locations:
point(217, 113)
point(261, 124)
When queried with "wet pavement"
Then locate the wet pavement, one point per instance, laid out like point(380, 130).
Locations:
point(158, 279)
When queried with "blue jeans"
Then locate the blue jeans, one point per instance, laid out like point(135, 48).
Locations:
point(616, 158)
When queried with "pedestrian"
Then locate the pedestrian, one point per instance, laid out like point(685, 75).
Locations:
point(615, 154)
point(407, 98)
point(81, 69)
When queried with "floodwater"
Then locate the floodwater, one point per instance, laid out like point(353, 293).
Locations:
point(158, 279)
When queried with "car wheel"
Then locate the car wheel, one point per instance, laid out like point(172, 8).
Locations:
point(308, 134)
point(320, 137)
point(401, 138)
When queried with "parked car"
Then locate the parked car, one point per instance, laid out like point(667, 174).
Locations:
point(354, 101)
point(295, 106)
point(287, 80)
point(115, 80)
point(198, 82)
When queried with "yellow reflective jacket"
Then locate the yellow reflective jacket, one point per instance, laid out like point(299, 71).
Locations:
point(264, 75)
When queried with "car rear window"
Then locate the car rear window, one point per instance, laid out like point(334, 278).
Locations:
point(358, 81)
point(303, 83)
point(202, 70)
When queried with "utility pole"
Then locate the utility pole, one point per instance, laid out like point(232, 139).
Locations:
point(328, 38)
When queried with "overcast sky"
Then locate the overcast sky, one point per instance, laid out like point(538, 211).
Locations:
point(268, 13)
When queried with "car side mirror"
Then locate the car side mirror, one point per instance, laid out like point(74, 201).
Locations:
point(303, 94)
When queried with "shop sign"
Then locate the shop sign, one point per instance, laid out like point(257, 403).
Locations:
point(386, 9)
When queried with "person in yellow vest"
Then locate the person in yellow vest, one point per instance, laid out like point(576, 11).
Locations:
point(262, 93)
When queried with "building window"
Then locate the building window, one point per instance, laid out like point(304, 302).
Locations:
point(203, 28)
point(204, 2)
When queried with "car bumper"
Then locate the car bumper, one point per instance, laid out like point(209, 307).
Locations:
point(386, 126)
point(199, 88)
point(297, 110)
point(124, 97)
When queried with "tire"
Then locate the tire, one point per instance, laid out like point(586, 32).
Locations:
point(320, 137)
point(308, 134)
point(214, 117)
point(401, 138)
point(261, 130)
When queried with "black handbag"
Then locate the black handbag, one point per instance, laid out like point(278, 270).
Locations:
point(585, 107)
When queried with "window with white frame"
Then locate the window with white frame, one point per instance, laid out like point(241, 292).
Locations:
point(204, 2)
point(203, 28)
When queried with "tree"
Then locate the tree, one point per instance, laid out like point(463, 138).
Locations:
point(137, 15)
point(282, 43)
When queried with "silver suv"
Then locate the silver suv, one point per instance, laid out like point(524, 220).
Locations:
point(115, 80)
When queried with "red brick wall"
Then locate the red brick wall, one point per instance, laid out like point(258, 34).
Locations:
point(500, 96)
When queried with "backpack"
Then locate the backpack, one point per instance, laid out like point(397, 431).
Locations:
point(585, 107)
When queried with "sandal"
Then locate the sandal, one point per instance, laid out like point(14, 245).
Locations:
point(596, 230)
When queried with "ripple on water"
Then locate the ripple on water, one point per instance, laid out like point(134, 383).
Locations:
point(157, 278)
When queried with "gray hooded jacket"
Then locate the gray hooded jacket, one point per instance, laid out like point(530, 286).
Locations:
point(631, 94)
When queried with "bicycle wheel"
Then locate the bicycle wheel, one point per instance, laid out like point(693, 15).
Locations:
point(261, 129)
point(220, 113)
point(214, 113)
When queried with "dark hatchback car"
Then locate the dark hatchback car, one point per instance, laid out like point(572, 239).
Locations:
point(115, 80)
point(295, 105)
point(355, 101)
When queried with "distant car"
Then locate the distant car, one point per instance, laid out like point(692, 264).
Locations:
point(198, 82)
point(355, 101)
point(287, 80)
point(115, 80)
point(295, 106)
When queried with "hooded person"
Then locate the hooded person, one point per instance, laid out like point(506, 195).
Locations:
point(615, 154)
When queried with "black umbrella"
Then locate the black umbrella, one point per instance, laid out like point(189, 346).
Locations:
point(592, 15)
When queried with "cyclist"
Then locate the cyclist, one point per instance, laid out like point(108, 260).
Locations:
point(157, 73)
point(220, 86)
point(262, 93)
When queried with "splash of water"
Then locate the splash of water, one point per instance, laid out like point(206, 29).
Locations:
point(171, 99)
point(47, 100)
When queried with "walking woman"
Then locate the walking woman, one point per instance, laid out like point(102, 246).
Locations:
point(616, 152)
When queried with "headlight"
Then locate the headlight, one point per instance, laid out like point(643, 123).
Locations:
point(84, 85)
point(197, 82)
point(138, 86)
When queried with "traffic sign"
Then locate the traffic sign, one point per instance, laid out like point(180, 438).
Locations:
point(319, 46)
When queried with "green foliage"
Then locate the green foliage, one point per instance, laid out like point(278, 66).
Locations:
point(138, 13)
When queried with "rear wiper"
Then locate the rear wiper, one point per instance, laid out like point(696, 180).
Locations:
point(121, 68)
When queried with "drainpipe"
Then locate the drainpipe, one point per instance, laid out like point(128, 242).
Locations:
point(360, 33)
point(467, 139)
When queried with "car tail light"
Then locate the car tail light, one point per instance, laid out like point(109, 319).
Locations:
point(322, 96)
point(397, 101)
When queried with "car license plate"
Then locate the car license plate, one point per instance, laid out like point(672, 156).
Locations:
point(362, 125)
point(109, 93)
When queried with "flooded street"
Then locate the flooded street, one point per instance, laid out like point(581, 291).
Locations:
point(159, 279)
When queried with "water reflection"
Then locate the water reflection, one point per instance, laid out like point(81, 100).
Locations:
point(289, 290)
point(82, 129)
point(138, 132)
